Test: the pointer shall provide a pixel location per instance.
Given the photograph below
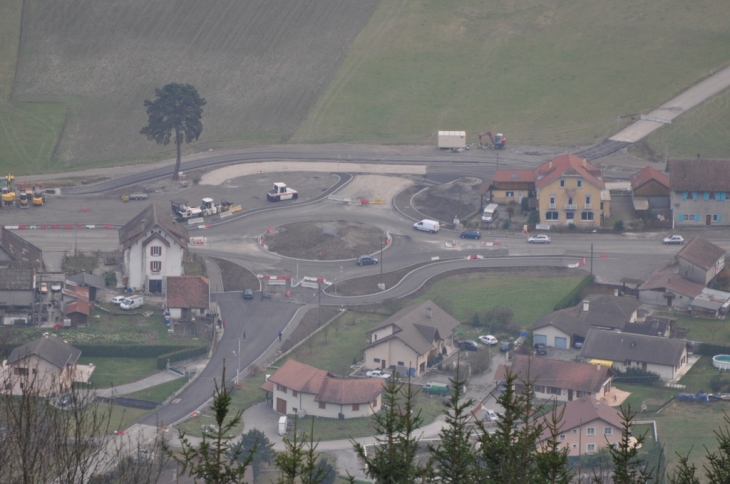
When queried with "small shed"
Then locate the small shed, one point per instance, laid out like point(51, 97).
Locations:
point(77, 311)
point(95, 284)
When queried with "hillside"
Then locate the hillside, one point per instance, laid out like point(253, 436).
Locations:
point(378, 71)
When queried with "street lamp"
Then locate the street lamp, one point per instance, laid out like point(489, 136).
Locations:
point(382, 241)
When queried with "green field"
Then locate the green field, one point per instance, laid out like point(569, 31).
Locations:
point(118, 371)
point(74, 78)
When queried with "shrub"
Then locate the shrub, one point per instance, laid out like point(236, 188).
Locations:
point(533, 218)
point(525, 205)
point(637, 376)
point(110, 279)
point(180, 355)
point(480, 361)
point(706, 349)
point(506, 224)
point(618, 226)
point(717, 383)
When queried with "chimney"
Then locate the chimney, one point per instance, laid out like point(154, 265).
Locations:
point(429, 313)
point(584, 162)
point(550, 165)
point(586, 305)
point(598, 405)
point(598, 367)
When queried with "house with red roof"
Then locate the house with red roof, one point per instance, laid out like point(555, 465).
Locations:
point(569, 190)
point(563, 381)
point(300, 389)
point(586, 426)
point(650, 191)
point(187, 296)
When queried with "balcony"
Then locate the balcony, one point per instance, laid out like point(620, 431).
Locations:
point(588, 206)
point(551, 206)
point(570, 206)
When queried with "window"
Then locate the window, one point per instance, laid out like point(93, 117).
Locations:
point(608, 431)
point(539, 388)
point(376, 360)
point(575, 446)
point(355, 407)
point(717, 218)
point(400, 363)
point(586, 215)
point(591, 448)
point(509, 194)
point(156, 266)
point(552, 216)
point(155, 250)
point(570, 200)
point(375, 403)
point(552, 201)
point(591, 431)
point(375, 337)
point(562, 183)
point(294, 393)
point(588, 200)
point(554, 390)
point(282, 389)
point(21, 371)
point(580, 183)
point(562, 437)
point(570, 215)
point(575, 431)
point(322, 405)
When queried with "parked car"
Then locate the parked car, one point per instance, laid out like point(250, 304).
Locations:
point(471, 234)
point(44, 288)
point(540, 348)
point(506, 346)
point(488, 340)
point(469, 345)
point(674, 239)
point(377, 374)
point(490, 416)
point(118, 300)
point(248, 293)
point(366, 260)
point(578, 344)
point(436, 388)
point(539, 239)
point(56, 287)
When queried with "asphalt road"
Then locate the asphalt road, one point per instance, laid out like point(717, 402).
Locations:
point(260, 320)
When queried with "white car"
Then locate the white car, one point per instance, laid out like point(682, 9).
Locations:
point(539, 239)
point(118, 300)
point(490, 416)
point(488, 340)
point(674, 239)
point(377, 374)
point(56, 287)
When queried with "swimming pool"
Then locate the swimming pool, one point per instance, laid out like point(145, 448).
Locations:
point(721, 361)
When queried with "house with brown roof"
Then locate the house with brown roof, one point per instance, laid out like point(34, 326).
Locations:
point(95, 284)
point(77, 312)
point(560, 380)
point(48, 363)
point(153, 244)
point(700, 261)
point(17, 288)
point(569, 190)
point(586, 426)
point(187, 296)
point(650, 191)
point(565, 327)
point(409, 337)
point(666, 357)
point(699, 191)
point(666, 287)
point(300, 389)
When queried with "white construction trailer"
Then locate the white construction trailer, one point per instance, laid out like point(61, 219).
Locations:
point(449, 140)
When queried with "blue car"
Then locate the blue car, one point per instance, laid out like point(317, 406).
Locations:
point(471, 234)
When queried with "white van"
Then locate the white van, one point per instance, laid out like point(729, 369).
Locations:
point(491, 213)
point(132, 302)
point(427, 226)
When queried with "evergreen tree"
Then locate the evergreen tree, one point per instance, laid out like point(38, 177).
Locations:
point(177, 110)
point(255, 444)
point(299, 463)
point(719, 462)
point(290, 460)
point(454, 455)
point(627, 467)
point(552, 461)
point(684, 473)
point(393, 459)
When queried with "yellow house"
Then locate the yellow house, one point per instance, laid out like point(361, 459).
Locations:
point(570, 190)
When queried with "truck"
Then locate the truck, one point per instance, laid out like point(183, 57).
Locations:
point(490, 213)
point(281, 192)
point(452, 140)
point(134, 196)
point(208, 207)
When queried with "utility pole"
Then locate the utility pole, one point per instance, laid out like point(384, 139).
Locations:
point(238, 363)
point(382, 241)
point(319, 305)
point(591, 258)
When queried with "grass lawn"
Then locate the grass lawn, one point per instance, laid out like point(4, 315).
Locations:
point(640, 393)
point(470, 294)
point(715, 331)
point(117, 371)
point(159, 393)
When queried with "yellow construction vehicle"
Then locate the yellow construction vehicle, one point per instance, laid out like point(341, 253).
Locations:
point(26, 197)
point(226, 205)
point(8, 193)
point(39, 198)
point(125, 197)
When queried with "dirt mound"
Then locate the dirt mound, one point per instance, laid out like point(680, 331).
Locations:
point(325, 240)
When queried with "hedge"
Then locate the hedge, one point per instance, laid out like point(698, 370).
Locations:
point(179, 355)
point(128, 351)
point(636, 376)
point(573, 297)
point(706, 349)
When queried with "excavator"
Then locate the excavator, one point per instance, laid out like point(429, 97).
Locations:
point(8, 193)
point(498, 142)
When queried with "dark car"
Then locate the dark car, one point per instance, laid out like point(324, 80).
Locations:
point(540, 348)
point(578, 344)
point(471, 234)
point(506, 346)
point(469, 345)
point(366, 260)
point(248, 293)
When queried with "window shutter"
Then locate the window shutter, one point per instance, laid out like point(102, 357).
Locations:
point(694, 195)
point(684, 195)
point(697, 217)
point(719, 217)
point(679, 217)
point(707, 195)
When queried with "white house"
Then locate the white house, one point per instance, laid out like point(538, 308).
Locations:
point(300, 389)
point(153, 244)
point(663, 356)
